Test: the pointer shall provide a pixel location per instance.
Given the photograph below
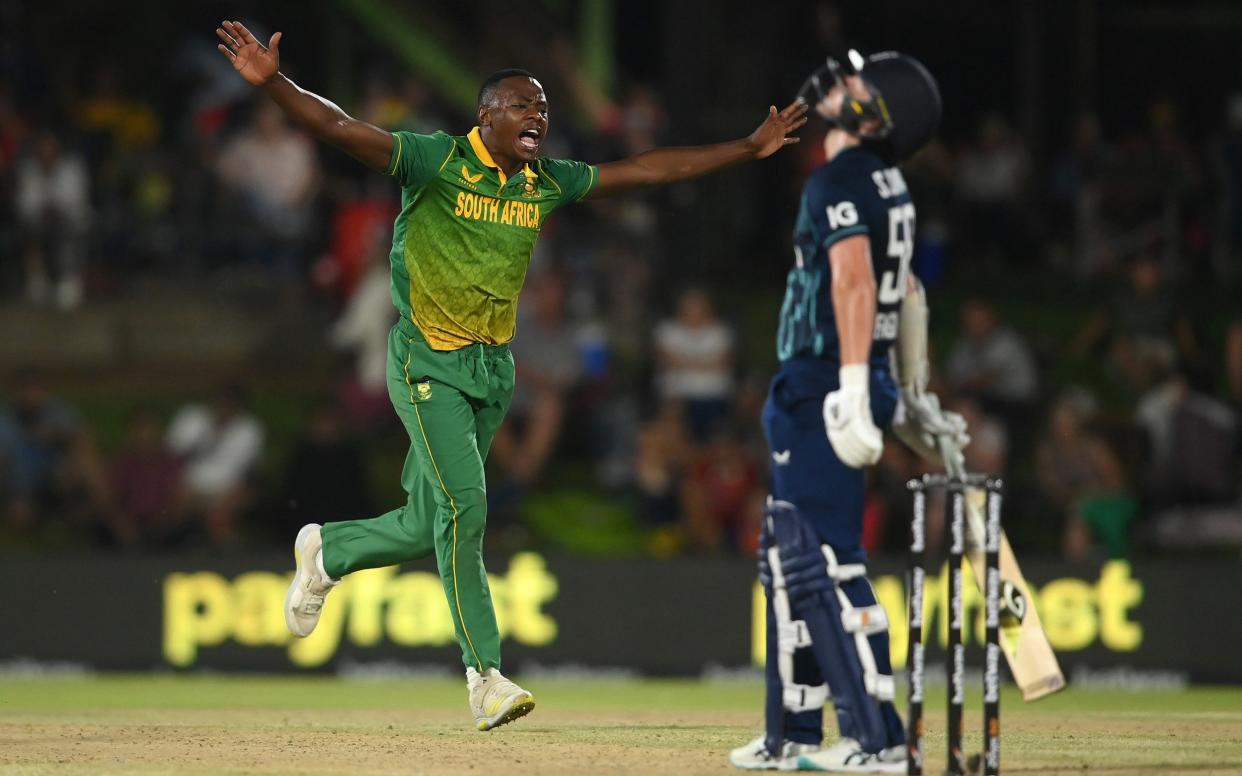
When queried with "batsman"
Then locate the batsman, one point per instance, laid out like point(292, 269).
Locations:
point(471, 208)
point(849, 297)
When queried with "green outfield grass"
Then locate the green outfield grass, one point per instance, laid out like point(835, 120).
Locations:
point(322, 725)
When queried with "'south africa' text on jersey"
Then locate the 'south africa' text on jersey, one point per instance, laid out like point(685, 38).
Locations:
point(482, 208)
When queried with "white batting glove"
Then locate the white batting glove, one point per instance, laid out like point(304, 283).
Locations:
point(920, 423)
point(847, 417)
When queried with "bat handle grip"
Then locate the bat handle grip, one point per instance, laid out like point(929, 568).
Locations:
point(954, 461)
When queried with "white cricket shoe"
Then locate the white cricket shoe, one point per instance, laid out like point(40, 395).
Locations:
point(310, 585)
point(847, 756)
point(494, 700)
point(756, 757)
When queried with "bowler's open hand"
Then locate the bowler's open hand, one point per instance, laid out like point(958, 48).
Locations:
point(773, 134)
point(254, 61)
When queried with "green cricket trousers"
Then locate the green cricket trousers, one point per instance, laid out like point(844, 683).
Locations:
point(451, 403)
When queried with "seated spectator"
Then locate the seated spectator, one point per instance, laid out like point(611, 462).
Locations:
point(1233, 362)
point(660, 456)
point(13, 130)
point(53, 213)
point(1195, 469)
point(118, 134)
point(1084, 176)
point(1194, 446)
point(220, 447)
point(1081, 475)
point(1149, 335)
point(111, 122)
point(694, 357)
point(326, 478)
point(360, 229)
point(546, 355)
point(991, 361)
point(720, 494)
point(634, 124)
point(13, 133)
point(363, 329)
point(52, 481)
point(275, 170)
point(886, 506)
point(992, 178)
point(410, 105)
point(988, 450)
point(1227, 162)
point(146, 485)
point(994, 365)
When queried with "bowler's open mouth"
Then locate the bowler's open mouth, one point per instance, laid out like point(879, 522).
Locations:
point(529, 139)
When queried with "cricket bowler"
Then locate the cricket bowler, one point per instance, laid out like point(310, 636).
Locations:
point(849, 297)
point(471, 208)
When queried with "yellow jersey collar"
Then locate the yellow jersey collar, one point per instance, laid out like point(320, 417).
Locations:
point(476, 144)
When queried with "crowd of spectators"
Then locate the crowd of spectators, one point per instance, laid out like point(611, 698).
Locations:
point(184, 482)
point(1122, 434)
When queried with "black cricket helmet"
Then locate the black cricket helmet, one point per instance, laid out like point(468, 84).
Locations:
point(904, 100)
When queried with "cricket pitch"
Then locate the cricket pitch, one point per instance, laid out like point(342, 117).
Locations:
point(233, 724)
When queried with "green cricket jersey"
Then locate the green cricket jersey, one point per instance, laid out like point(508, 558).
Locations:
point(462, 243)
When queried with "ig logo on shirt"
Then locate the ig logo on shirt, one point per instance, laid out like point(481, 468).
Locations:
point(842, 214)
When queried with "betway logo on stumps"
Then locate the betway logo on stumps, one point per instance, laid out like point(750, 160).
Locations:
point(205, 609)
point(991, 675)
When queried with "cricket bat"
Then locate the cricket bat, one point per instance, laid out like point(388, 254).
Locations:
point(1031, 659)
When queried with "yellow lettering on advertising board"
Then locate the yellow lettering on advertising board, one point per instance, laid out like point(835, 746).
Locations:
point(1118, 593)
point(204, 609)
point(198, 611)
point(255, 621)
point(1076, 613)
